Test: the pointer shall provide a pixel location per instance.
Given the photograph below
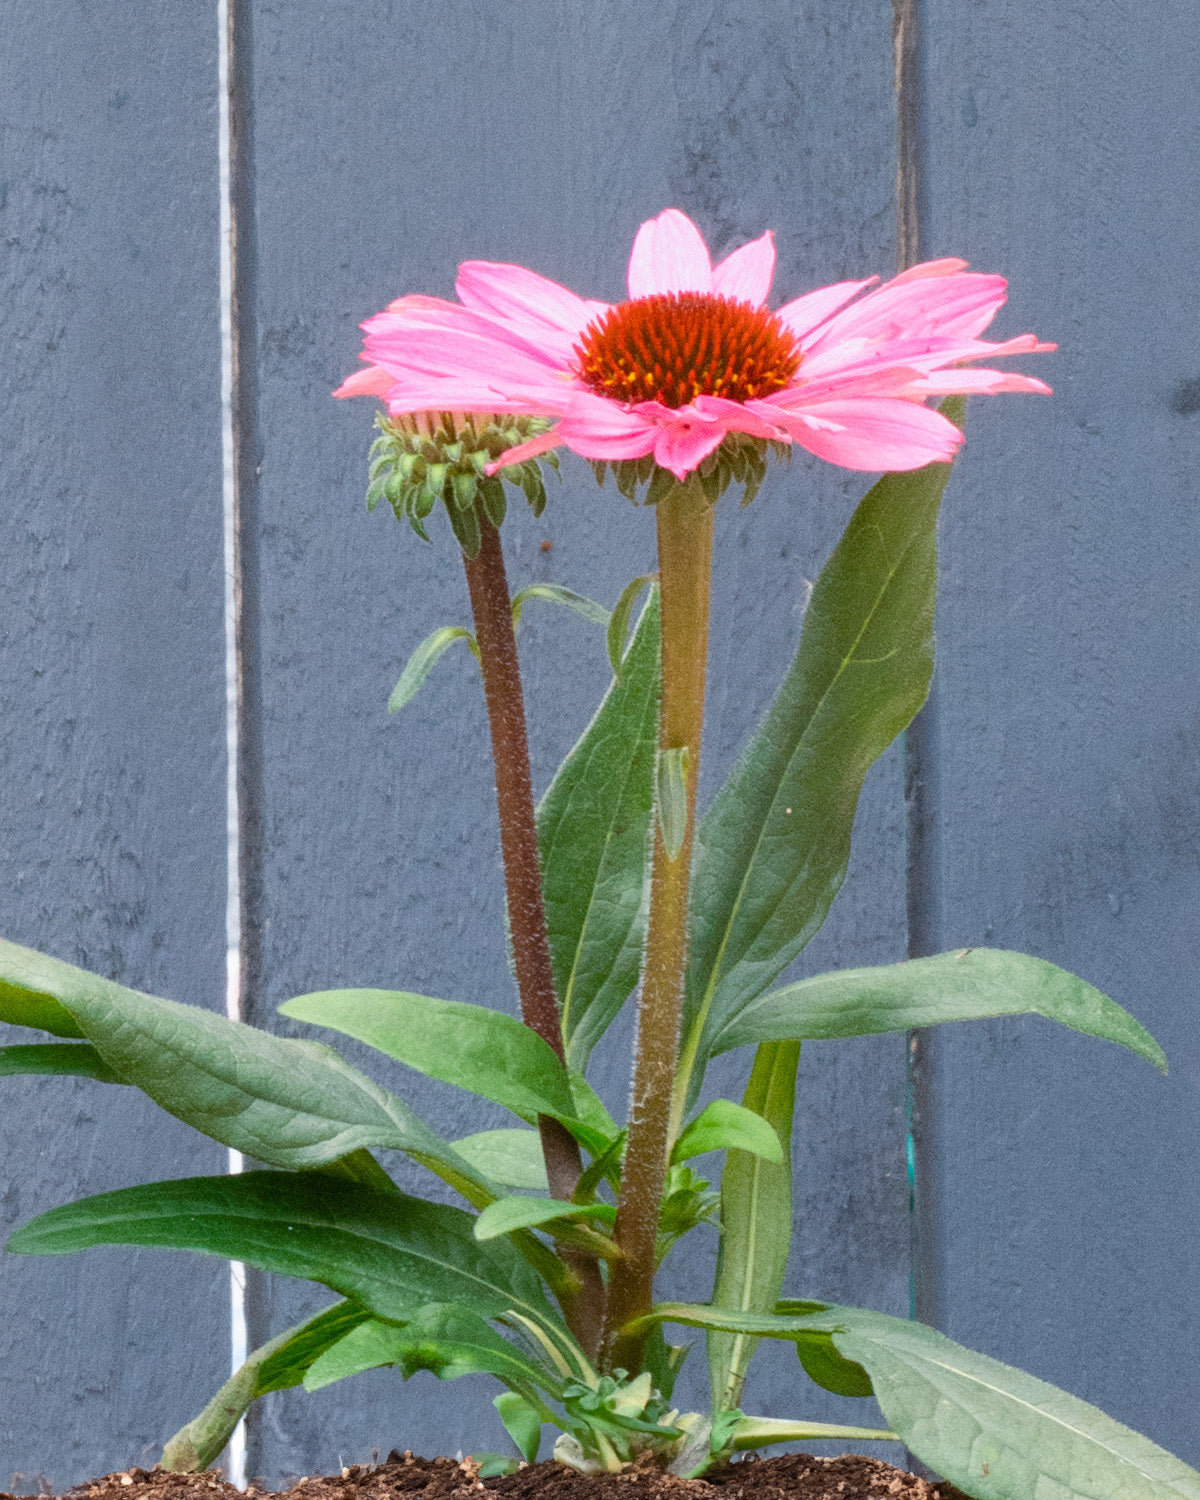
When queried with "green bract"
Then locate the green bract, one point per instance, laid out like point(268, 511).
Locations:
point(522, 1282)
point(740, 460)
point(417, 461)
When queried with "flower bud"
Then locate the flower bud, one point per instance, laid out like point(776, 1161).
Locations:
point(427, 457)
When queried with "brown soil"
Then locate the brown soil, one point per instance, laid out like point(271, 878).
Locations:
point(796, 1476)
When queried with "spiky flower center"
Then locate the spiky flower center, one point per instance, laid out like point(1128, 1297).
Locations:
point(675, 346)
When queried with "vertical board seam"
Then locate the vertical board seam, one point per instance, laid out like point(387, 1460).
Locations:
point(232, 603)
point(921, 876)
point(240, 472)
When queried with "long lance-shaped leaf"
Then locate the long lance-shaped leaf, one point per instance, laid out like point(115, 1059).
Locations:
point(756, 1222)
point(995, 1431)
point(391, 1253)
point(772, 851)
point(492, 1054)
point(273, 1366)
point(508, 1214)
point(290, 1357)
point(73, 1059)
point(594, 839)
point(289, 1103)
point(968, 985)
point(762, 1432)
point(446, 1339)
point(511, 1158)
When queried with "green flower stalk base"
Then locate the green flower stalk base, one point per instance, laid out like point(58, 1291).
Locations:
point(685, 537)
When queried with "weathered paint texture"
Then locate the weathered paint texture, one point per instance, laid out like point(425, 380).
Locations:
point(1059, 1180)
point(382, 143)
point(111, 683)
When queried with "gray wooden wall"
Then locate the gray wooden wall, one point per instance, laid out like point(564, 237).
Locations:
point(1054, 800)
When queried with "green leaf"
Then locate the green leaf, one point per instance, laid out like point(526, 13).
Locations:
point(422, 662)
point(724, 1126)
point(672, 799)
point(510, 1158)
point(997, 1432)
point(756, 1221)
point(293, 1352)
point(493, 1465)
point(772, 851)
point(554, 593)
point(761, 1432)
point(606, 1167)
point(361, 1167)
point(75, 1058)
point(507, 1214)
point(389, 1252)
point(594, 839)
point(994, 1431)
point(827, 1368)
point(968, 985)
point(200, 1442)
point(485, 1051)
point(30, 988)
point(790, 1318)
point(618, 623)
point(288, 1103)
point(590, 1109)
point(445, 1339)
point(522, 1422)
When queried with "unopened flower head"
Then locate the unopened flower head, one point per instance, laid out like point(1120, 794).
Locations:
point(694, 372)
point(421, 458)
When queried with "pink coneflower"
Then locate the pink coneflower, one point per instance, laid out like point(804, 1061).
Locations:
point(695, 354)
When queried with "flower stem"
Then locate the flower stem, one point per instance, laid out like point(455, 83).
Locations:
point(685, 533)
point(491, 606)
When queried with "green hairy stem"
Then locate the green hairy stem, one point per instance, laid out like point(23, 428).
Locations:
point(685, 536)
point(491, 606)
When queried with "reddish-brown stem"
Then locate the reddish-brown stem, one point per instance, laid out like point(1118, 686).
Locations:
point(685, 532)
point(491, 606)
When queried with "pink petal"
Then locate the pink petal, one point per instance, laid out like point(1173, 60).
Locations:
point(369, 382)
point(752, 417)
point(863, 378)
point(875, 434)
point(1023, 343)
point(598, 428)
point(669, 255)
point(683, 444)
point(531, 448)
point(963, 303)
point(802, 315)
point(745, 276)
point(415, 302)
point(395, 330)
point(949, 266)
point(462, 396)
point(482, 355)
point(539, 309)
point(981, 382)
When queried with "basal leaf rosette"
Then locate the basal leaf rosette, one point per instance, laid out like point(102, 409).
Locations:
point(694, 372)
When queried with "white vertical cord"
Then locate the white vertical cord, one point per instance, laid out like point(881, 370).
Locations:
point(233, 895)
